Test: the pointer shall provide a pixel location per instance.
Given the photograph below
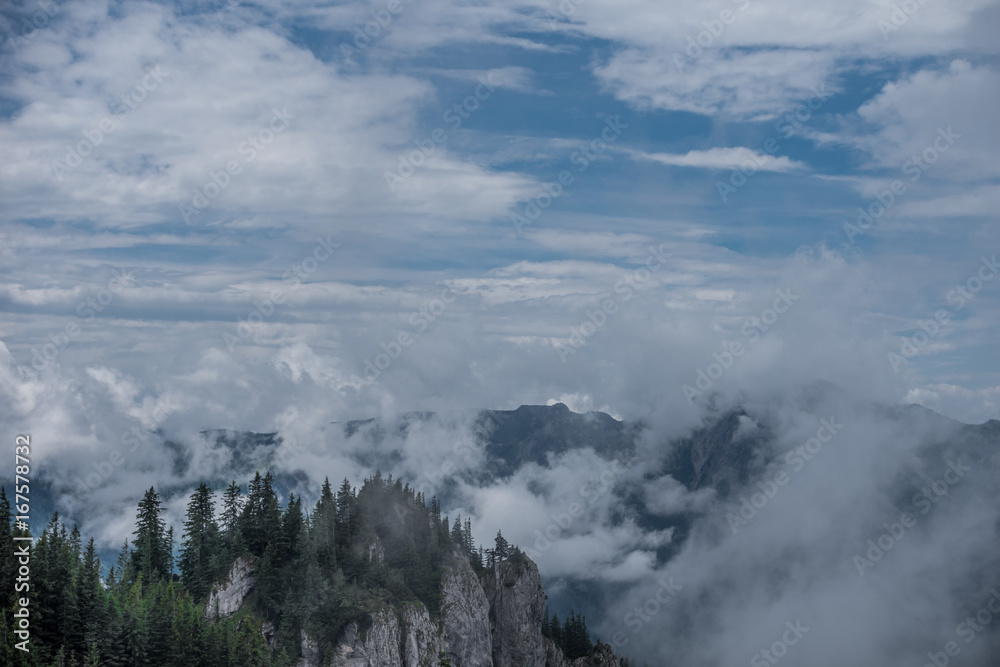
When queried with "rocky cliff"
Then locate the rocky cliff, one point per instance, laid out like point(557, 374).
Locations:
point(226, 599)
point(517, 603)
point(490, 621)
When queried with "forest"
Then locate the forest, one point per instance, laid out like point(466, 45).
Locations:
point(313, 568)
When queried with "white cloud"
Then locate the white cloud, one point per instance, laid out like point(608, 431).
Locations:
point(759, 85)
point(343, 132)
point(723, 158)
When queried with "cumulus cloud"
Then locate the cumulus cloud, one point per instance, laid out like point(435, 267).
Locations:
point(311, 291)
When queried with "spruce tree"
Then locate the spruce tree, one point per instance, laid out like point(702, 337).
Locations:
point(347, 521)
point(502, 549)
point(151, 557)
point(200, 550)
point(252, 532)
point(557, 635)
point(324, 526)
point(90, 595)
point(232, 505)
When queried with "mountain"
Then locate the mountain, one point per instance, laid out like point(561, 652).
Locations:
point(488, 620)
point(371, 577)
point(692, 486)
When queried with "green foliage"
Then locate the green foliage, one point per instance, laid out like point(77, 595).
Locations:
point(572, 636)
point(199, 563)
point(359, 550)
point(153, 553)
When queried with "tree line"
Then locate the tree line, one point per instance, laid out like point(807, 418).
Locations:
point(318, 569)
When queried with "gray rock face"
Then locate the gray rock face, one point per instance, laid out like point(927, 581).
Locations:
point(408, 639)
point(421, 638)
point(226, 600)
point(492, 621)
point(380, 646)
point(602, 656)
point(465, 612)
point(517, 603)
point(310, 652)
point(553, 654)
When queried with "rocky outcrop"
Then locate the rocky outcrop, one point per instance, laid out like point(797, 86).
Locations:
point(406, 639)
point(421, 638)
point(465, 612)
point(517, 603)
point(310, 651)
point(225, 600)
point(489, 621)
point(380, 645)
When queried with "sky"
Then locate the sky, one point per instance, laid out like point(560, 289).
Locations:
point(273, 216)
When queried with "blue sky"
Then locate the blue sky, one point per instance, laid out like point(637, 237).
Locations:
point(263, 305)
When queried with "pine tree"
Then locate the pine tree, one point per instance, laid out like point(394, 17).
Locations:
point(347, 521)
point(232, 505)
point(292, 528)
point(271, 510)
point(557, 635)
point(324, 528)
point(502, 549)
point(200, 550)
point(90, 595)
point(151, 557)
point(93, 656)
point(467, 541)
point(576, 642)
point(74, 543)
point(252, 532)
point(122, 571)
